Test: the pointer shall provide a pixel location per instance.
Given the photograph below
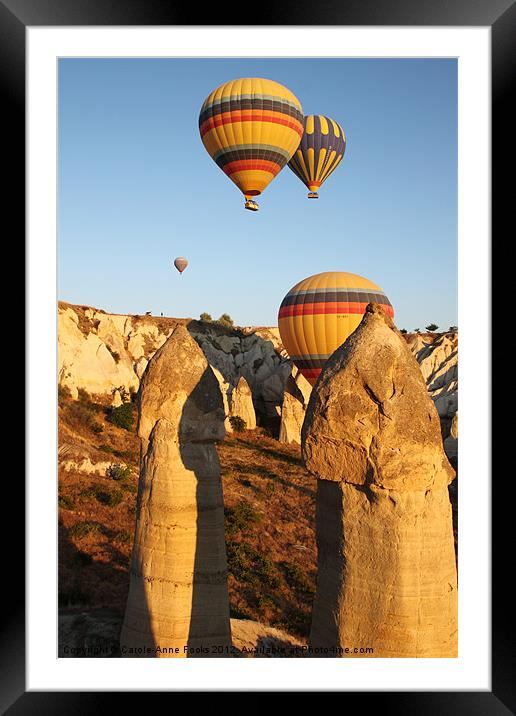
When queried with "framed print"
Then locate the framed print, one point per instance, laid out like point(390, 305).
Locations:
point(262, 241)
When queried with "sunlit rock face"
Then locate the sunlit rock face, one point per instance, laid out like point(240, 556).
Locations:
point(386, 563)
point(178, 604)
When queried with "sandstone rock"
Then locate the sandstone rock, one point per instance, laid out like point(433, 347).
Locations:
point(242, 403)
point(451, 442)
point(302, 385)
point(451, 447)
point(417, 342)
point(224, 388)
point(117, 399)
point(435, 352)
point(140, 366)
point(110, 336)
point(454, 430)
point(123, 324)
point(447, 404)
point(292, 416)
point(178, 595)
point(438, 360)
point(227, 343)
point(136, 346)
point(217, 358)
point(253, 357)
point(295, 399)
point(85, 361)
point(100, 351)
point(273, 387)
point(386, 563)
point(267, 333)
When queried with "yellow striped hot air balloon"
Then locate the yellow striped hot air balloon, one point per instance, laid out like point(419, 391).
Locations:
point(251, 127)
point(319, 153)
point(320, 312)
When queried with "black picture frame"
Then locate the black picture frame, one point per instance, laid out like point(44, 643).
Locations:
point(500, 15)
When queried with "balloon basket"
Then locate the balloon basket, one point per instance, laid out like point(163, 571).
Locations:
point(251, 205)
point(313, 195)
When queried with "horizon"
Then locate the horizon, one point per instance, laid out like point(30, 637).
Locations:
point(137, 188)
point(235, 326)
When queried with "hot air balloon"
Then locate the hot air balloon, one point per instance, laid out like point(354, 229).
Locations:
point(320, 152)
point(320, 312)
point(180, 263)
point(251, 127)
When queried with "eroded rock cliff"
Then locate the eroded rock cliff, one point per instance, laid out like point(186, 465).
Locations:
point(102, 352)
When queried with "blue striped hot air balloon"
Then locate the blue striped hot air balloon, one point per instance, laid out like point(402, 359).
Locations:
point(320, 152)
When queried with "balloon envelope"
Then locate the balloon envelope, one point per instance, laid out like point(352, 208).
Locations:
point(320, 151)
point(251, 127)
point(180, 263)
point(320, 312)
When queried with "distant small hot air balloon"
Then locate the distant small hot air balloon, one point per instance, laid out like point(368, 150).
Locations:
point(251, 127)
point(320, 152)
point(180, 263)
point(320, 312)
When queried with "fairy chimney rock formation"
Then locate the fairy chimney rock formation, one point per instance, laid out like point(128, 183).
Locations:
point(242, 403)
point(386, 564)
point(295, 400)
point(178, 603)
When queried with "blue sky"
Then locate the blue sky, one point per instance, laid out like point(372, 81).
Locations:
point(137, 188)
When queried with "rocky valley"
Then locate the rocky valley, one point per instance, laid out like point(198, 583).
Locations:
point(269, 496)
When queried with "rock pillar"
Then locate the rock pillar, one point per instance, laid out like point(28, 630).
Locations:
point(178, 602)
point(386, 565)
